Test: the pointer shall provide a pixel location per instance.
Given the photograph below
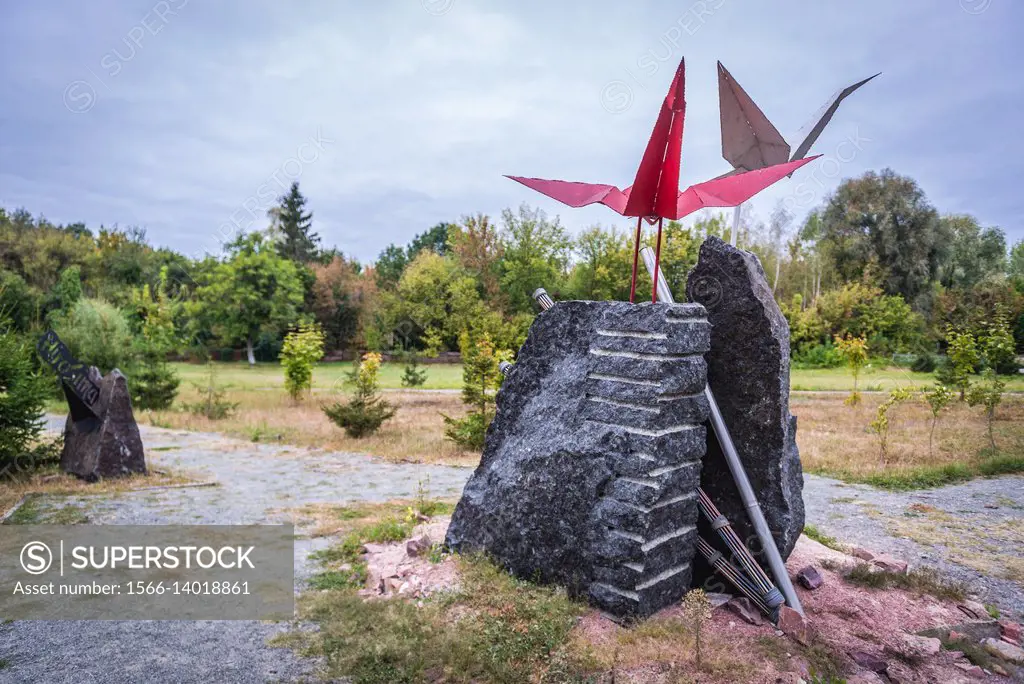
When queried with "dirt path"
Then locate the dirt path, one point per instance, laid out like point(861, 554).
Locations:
point(257, 482)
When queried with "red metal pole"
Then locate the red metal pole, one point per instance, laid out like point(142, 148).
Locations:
point(636, 257)
point(657, 262)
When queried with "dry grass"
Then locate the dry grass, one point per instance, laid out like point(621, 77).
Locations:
point(834, 440)
point(332, 520)
point(52, 482)
point(416, 433)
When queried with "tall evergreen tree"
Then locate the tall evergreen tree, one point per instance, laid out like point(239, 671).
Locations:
point(299, 243)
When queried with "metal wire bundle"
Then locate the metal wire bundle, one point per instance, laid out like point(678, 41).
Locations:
point(729, 571)
point(767, 592)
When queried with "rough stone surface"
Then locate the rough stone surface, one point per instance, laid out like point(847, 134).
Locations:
point(794, 625)
point(743, 607)
point(748, 371)
point(810, 578)
point(1004, 650)
point(108, 445)
point(591, 465)
point(869, 661)
point(889, 564)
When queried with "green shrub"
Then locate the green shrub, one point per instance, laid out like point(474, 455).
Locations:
point(924, 363)
point(366, 412)
point(211, 404)
point(153, 383)
point(300, 352)
point(413, 375)
point(23, 393)
point(818, 356)
point(97, 333)
point(480, 379)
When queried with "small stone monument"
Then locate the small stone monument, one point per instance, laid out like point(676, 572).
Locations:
point(101, 438)
point(590, 471)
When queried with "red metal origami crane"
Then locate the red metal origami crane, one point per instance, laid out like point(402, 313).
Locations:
point(655, 193)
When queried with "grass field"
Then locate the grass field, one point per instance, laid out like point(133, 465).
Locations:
point(834, 439)
point(328, 376)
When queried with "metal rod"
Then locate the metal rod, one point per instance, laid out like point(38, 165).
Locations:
point(736, 225)
point(657, 261)
point(664, 293)
point(739, 475)
point(505, 367)
point(725, 567)
point(636, 250)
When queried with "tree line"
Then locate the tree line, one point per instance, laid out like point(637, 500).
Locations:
point(876, 260)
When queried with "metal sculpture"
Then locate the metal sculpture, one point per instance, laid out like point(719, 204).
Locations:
point(750, 141)
point(655, 194)
point(81, 392)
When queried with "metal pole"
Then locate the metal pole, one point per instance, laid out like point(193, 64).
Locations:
point(636, 249)
point(732, 458)
point(541, 295)
point(736, 225)
point(657, 269)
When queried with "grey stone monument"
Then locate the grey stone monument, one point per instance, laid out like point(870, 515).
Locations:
point(101, 437)
point(590, 471)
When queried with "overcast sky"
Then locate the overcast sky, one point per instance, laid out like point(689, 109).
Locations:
point(188, 117)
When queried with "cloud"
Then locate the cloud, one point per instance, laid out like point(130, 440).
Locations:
point(427, 109)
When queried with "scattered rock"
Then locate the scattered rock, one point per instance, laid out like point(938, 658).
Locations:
point(794, 625)
point(418, 545)
point(748, 369)
point(743, 607)
point(1004, 650)
point(900, 673)
point(865, 678)
point(919, 646)
point(863, 554)
point(999, 670)
point(956, 636)
point(889, 564)
point(868, 661)
point(975, 610)
point(789, 678)
point(810, 578)
point(972, 671)
point(371, 547)
point(1010, 630)
point(718, 599)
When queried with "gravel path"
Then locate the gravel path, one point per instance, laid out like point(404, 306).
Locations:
point(257, 482)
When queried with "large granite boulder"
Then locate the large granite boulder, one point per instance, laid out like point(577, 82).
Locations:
point(591, 466)
point(103, 442)
point(748, 371)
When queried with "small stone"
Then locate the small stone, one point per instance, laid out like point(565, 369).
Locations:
point(418, 545)
point(868, 661)
point(889, 564)
point(920, 647)
point(1001, 649)
point(810, 578)
point(371, 547)
point(789, 678)
point(745, 609)
point(956, 636)
point(1010, 630)
point(717, 599)
point(899, 673)
point(793, 625)
point(864, 678)
point(999, 670)
point(972, 671)
point(974, 609)
point(863, 554)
